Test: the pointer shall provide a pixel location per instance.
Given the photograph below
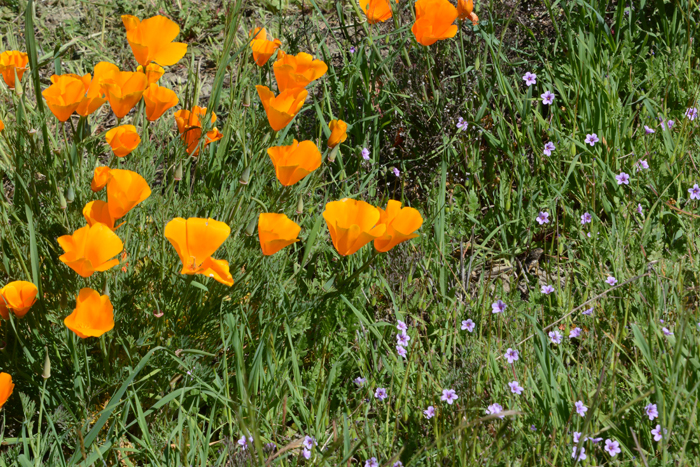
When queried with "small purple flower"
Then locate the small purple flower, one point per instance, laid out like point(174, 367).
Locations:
point(398, 464)
point(306, 453)
point(309, 442)
point(498, 306)
point(429, 412)
point(494, 409)
point(694, 192)
point(396, 171)
point(586, 218)
point(613, 447)
point(462, 124)
point(657, 433)
point(581, 454)
point(548, 148)
point(577, 436)
point(401, 326)
point(372, 462)
point(575, 332)
point(547, 97)
point(243, 443)
point(591, 139)
point(530, 78)
point(588, 312)
point(402, 339)
point(580, 408)
point(691, 113)
point(468, 325)
point(401, 350)
point(352, 49)
point(511, 355)
point(622, 179)
point(515, 388)
point(669, 124)
point(555, 337)
point(666, 331)
point(360, 381)
point(651, 411)
point(640, 211)
point(533, 428)
point(365, 154)
point(611, 280)
point(449, 396)
point(380, 394)
point(594, 440)
point(648, 130)
point(641, 164)
point(547, 289)
point(542, 218)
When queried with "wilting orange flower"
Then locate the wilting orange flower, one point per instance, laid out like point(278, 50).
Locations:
point(401, 224)
point(151, 40)
point(190, 128)
point(125, 190)
point(100, 178)
point(123, 139)
point(465, 10)
point(352, 224)
point(158, 99)
point(339, 132)
point(93, 314)
point(294, 162)
point(195, 240)
point(276, 231)
point(153, 72)
point(90, 248)
point(377, 11)
point(434, 20)
point(65, 95)
point(6, 387)
point(281, 110)
point(98, 212)
point(9, 62)
point(124, 89)
point(18, 296)
point(262, 47)
point(298, 71)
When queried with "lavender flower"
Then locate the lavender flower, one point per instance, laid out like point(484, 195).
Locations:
point(651, 411)
point(666, 331)
point(398, 464)
point(360, 381)
point(586, 218)
point(611, 280)
point(449, 396)
point(309, 442)
point(515, 388)
point(352, 49)
point(555, 337)
point(402, 339)
point(575, 332)
point(372, 462)
point(380, 394)
point(648, 130)
point(694, 192)
point(581, 453)
point(613, 447)
point(511, 355)
point(429, 412)
point(588, 312)
point(306, 453)
point(530, 78)
point(691, 113)
point(640, 211)
point(498, 306)
point(577, 437)
point(243, 443)
point(365, 154)
point(591, 139)
point(462, 124)
point(641, 164)
point(547, 289)
point(401, 351)
point(542, 218)
point(657, 433)
point(468, 325)
point(547, 97)
point(622, 179)
point(580, 408)
point(494, 409)
point(396, 171)
point(548, 148)
point(401, 326)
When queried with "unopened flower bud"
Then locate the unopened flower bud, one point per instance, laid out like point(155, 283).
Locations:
point(300, 205)
point(178, 172)
point(70, 194)
point(245, 177)
point(250, 230)
point(246, 97)
point(333, 154)
point(18, 85)
point(62, 200)
point(47, 365)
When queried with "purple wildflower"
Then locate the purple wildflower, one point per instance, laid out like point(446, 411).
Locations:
point(651, 411)
point(547, 289)
point(694, 192)
point(398, 464)
point(396, 171)
point(380, 394)
point(648, 130)
point(511, 355)
point(666, 331)
point(360, 381)
point(691, 113)
point(468, 325)
point(547, 97)
point(657, 433)
point(542, 218)
point(580, 408)
point(530, 78)
point(640, 211)
point(306, 453)
point(462, 124)
point(581, 453)
point(449, 396)
point(401, 326)
point(577, 437)
point(588, 312)
point(555, 337)
point(401, 351)
point(622, 179)
point(498, 306)
point(494, 409)
point(586, 218)
point(352, 49)
point(611, 280)
point(372, 462)
point(641, 164)
point(591, 139)
point(575, 332)
point(402, 339)
point(309, 442)
point(613, 447)
point(365, 154)
point(548, 148)
point(515, 388)
point(429, 412)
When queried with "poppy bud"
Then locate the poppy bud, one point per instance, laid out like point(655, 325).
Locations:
point(18, 85)
point(47, 365)
point(178, 172)
point(333, 154)
point(250, 230)
point(62, 200)
point(246, 97)
point(70, 194)
point(300, 205)
point(245, 177)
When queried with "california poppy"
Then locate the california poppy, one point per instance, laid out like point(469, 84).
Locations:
point(65, 95)
point(93, 314)
point(10, 62)
point(123, 139)
point(90, 248)
point(281, 109)
point(276, 231)
point(377, 11)
point(158, 99)
point(338, 132)
point(352, 224)
point(2, 125)
point(17, 296)
point(294, 162)
point(98, 212)
point(434, 20)
point(297, 71)
point(262, 47)
point(151, 40)
point(153, 72)
point(94, 94)
point(125, 190)
point(195, 240)
point(401, 224)
point(6, 387)
point(465, 10)
point(100, 178)
point(124, 89)
point(190, 128)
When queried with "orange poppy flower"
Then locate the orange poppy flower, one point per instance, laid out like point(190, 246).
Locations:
point(6, 387)
point(281, 110)
point(298, 71)
point(339, 132)
point(434, 20)
point(65, 95)
point(465, 10)
point(195, 240)
point(262, 47)
point(352, 224)
point(2, 125)
point(153, 72)
point(98, 212)
point(151, 40)
point(401, 224)
point(124, 89)
point(18, 296)
point(294, 162)
point(125, 190)
point(90, 248)
point(377, 11)
point(100, 178)
point(93, 314)
point(158, 99)
point(12, 61)
point(94, 94)
point(190, 128)
point(123, 139)
point(276, 231)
